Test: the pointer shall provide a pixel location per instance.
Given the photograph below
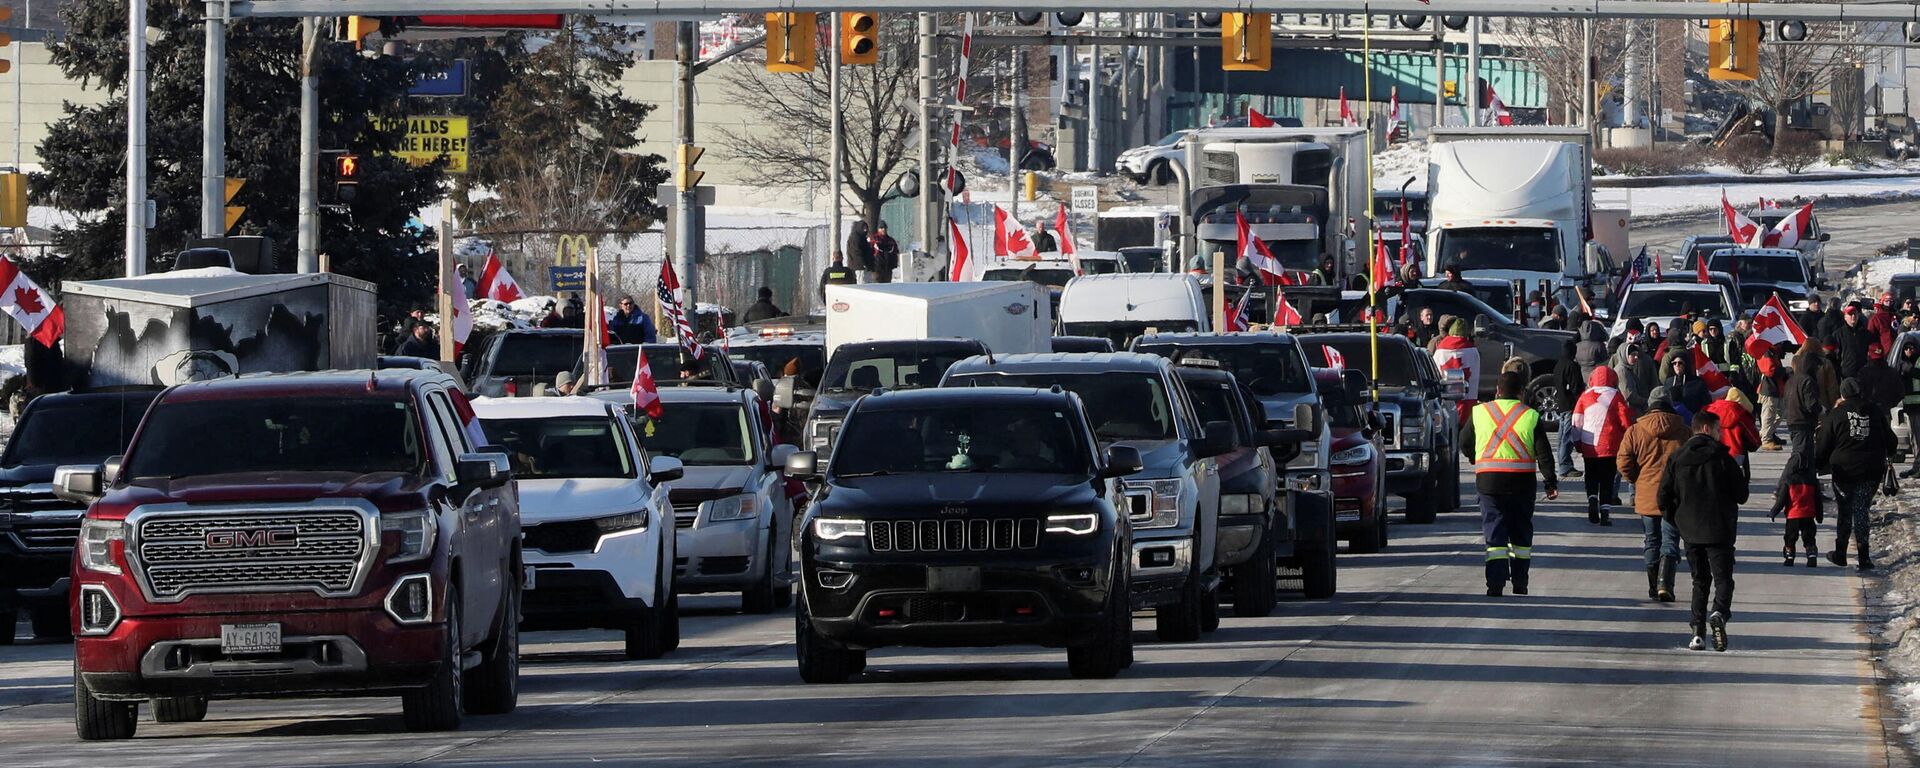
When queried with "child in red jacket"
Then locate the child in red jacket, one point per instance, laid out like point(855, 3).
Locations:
point(1799, 495)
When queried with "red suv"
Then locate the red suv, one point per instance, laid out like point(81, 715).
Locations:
point(329, 533)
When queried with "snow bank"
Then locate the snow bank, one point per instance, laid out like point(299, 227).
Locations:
point(1893, 602)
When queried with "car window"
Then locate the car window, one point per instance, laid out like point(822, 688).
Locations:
point(1267, 369)
point(854, 370)
point(279, 434)
point(1772, 269)
point(962, 439)
point(703, 434)
point(66, 431)
point(558, 447)
point(1396, 361)
point(811, 357)
point(1213, 401)
point(540, 355)
point(1526, 250)
point(1121, 405)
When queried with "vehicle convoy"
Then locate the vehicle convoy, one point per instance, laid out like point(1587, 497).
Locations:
point(1359, 473)
point(1302, 191)
point(510, 363)
point(38, 529)
point(1514, 203)
point(1252, 504)
point(1419, 422)
point(1497, 337)
point(731, 514)
point(1173, 504)
point(599, 551)
point(1761, 273)
point(1273, 367)
point(1813, 243)
point(1120, 307)
point(797, 358)
point(345, 535)
point(964, 517)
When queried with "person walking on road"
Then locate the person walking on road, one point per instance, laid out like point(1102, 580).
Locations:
point(1701, 491)
point(1507, 443)
point(1878, 382)
point(1802, 403)
point(1853, 339)
point(1456, 351)
point(1853, 443)
point(1798, 495)
point(1638, 375)
point(1643, 461)
point(1737, 430)
point(1772, 373)
point(1600, 421)
point(1685, 388)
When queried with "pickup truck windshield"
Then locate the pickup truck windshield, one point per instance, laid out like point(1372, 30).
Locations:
point(278, 434)
point(1772, 269)
point(1213, 401)
point(1267, 369)
point(560, 447)
point(58, 431)
point(1672, 303)
point(1121, 405)
point(537, 355)
point(703, 434)
point(1504, 248)
point(1396, 360)
point(858, 371)
point(1037, 440)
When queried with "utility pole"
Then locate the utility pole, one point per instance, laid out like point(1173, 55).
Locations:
point(1439, 74)
point(213, 125)
point(136, 138)
point(688, 239)
point(1630, 88)
point(1017, 130)
point(1472, 85)
point(1587, 117)
point(926, 228)
point(835, 140)
point(1093, 105)
point(19, 80)
point(308, 243)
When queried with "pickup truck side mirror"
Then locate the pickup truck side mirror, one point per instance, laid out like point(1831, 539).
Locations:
point(1481, 326)
point(78, 483)
point(778, 455)
point(803, 466)
point(783, 393)
point(110, 471)
point(665, 469)
point(1453, 385)
point(482, 470)
point(1306, 417)
point(1825, 237)
point(763, 388)
point(1284, 444)
point(1217, 440)
point(1120, 461)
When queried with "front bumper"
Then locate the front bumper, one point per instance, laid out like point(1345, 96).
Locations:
point(725, 556)
point(32, 579)
point(578, 598)
point(1353, 501)
point(1030, 599)
point(1406, 470)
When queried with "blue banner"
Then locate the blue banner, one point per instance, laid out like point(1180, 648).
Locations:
point(451, 81)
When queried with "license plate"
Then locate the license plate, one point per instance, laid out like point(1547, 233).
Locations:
point(527, 577)
point(245, 639)
point(953, 579)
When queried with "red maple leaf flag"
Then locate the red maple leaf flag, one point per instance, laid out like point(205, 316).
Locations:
point(1009, 238)
point(646, 396)
point(1284, 315)
point(1063, 226)
point(495, 283)
point(1739, 227)
point(1772, 325)
point(27, 304)
point(1257, 120)
point(1334, 358)
point(1251, 248)
point(1792, 229)
point(1710, 374)
point(957, 242)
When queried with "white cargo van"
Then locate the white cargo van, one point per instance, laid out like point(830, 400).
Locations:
point(1121, 307)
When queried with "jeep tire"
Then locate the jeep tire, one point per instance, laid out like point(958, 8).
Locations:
point(1108, 653)
point(98, 719)
point(822, 662)
point(436, 706)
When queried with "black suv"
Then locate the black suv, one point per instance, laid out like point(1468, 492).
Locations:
point(1418, 419)
point(964, 517)
point(37, 530)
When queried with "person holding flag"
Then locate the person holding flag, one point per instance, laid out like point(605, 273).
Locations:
point(1456, 352)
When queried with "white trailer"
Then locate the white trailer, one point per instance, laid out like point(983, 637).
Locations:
point(1512, 203)
point(1008, 317)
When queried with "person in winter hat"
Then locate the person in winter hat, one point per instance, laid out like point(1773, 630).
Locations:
point(1878, 382)
point(1853, 340)
point(1798, 495)
point(1701, 491)
point(1638, 375)
point(1714, 340)
point(1737, 430)
point(1882, 323)
point(1456, 351)
point(1771, 378)
point(1635, 332)
point(1687, 391)
point(1802, 403)
point(1600, 422)
point(1643, 461)
point(1591, 351)
point(1853, 443)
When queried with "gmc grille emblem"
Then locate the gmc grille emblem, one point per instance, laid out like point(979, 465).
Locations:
point(253, 538)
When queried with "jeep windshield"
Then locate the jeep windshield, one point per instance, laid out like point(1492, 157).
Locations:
point(1121, 405)
point(1000, 440)
point(702, 434)
point(1396, 360)
point(1512, 249)
point(866, 368)
point(74, 431)
point(561, 447)
point(1267, 369)
point(278, 434)
point(540, 355)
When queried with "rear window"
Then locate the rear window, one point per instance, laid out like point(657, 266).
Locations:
point(702, 434)
point(561, 447)
point(537, 355)
point(857, 370)
point(805, 358)
point(1396, 360)
point(1672, 303)
point(64, 431)
point(279, 434)
point(1267, 369)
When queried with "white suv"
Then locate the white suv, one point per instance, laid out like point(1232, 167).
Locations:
point(1148, 163)
point(599, 540)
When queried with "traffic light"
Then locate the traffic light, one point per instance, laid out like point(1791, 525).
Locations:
point(684, 158)
point(1455, 23)
point(13, 200)
point(1411, 20)
point(1912, 28)
point(859, 38)
point(1208, 19)
point(1066, 18)
point(1790, 31)
point(234, 212)
point(6, 65)
point(356, 29)
point(790, 39)
point(1733, 50)
point(346, 177)
point(1246, 42)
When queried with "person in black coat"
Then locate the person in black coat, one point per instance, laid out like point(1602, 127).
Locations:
point(1853, 339)
point(1689, 392)
point(859, 252)
point(1853, 443)
point(419, 343)
point(763, 308)
point(1701, 492)
point(886, 254)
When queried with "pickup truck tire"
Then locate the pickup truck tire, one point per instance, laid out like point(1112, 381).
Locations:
point(1319, 572)
point(1545, 397)
point(493, 688)
point(1183, 621)
point(1372, 539)
point(1107, 654)
point(1423, 506)
point(762, 597)
point(180, 709)
point(8, 621)
point(51, 622)
point(821, 662)
point(436, 706)
point(100, 720)
point(1256, 588)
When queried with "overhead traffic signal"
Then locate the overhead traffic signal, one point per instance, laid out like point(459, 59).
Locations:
point(356, 29)
point(1791, 31)
point(1246, 42)
point(790, 38)
point(1455, 23)
point(1411, 20)
point(1733, 50)
point(684, 158)
point(859, 38)
point(13, 200)
point(346, 177)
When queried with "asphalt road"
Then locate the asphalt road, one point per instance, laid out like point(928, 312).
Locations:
point(1859, 231)
point(1410, 665)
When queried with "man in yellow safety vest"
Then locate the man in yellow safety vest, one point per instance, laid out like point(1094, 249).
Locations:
point(1507, 443)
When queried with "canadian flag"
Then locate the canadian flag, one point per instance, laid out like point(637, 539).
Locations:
point(957, 242)
point(1009, 238)
point(1284, 315)
point(1499, 108)
point(1768, 205)
point(1237, 319)
point(1063, 229)
point(1700, 267)
point(1393, 113)
point(42, 319)
point(1772, 325)
point(495, 283)
point(462, 324)
point(1257, 120)
point(1709, 373)
point(1382, 268)
point(1255, 252)
point(646, 395)
point(1739, 227)
point(1346, 110)
point(1334, 358)
point(1792, 229)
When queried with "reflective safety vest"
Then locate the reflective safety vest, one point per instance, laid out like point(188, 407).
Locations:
point(1504, 429)
point(837, 275)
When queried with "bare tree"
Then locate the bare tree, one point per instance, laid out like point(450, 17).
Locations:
point(1791, 72)
point(1554, 48)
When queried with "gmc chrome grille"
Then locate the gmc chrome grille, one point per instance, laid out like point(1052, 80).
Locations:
point(977, 535)
point(271, 550)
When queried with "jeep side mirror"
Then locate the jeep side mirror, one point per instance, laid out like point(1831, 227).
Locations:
point(665, 469)
point(803, 466)
point(1217, 440)
point(1306, 417)
point(778, 455)
point(763, 388)
point(1120, 461)
point(78, 483)
point(783, 393)
point(482, 470)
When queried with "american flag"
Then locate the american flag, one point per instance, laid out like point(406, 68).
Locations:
point(670, 303)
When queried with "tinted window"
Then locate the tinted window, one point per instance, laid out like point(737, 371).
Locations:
point(279, 434)
point(1121, 405)
point(1527, 250)
point(1214, 401)
point(858, 370)
point(998, 439)
point(702, 434)
point(775, 357)
point(65, 431)
point(537, 355)
point(1100, 266)
point(1267, 369)
point(1671, 303)
point(1772, 269)
point(1344, 409)
point(670, 364)
point(1396, 361)
point(575, 446)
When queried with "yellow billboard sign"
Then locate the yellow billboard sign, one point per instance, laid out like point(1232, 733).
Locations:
point(426, 138)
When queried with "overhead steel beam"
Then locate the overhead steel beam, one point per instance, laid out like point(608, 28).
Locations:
point(683, 9)
point(1207, 41)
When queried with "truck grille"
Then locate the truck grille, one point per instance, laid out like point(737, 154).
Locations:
point(685, 514)
point(46, 536)
point(562, 537)
point(322, 550)
point(1390, 426)
point(953, 535)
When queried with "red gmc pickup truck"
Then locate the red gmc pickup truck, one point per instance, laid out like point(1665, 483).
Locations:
point(296, 534)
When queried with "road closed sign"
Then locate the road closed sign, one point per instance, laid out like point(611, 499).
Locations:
point(429, 137)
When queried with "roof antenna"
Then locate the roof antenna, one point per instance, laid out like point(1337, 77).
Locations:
point(373, 379)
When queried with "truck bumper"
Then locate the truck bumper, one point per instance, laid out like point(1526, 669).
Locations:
point(1406, 471)
point(1048, 601)
point(726, 556)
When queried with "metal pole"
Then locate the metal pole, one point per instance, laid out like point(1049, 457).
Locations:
point(835, 141)
point(1630, 87)
point(688, 239)
point(309, 240)
point(1587, 118)
point(136, 138)
point(443, 298)
point(1472, 85)
point(1439, 74)
point(926, 135)
point(19, 78)
point(213, 125)
point(1016, 129)
point(1093, 106)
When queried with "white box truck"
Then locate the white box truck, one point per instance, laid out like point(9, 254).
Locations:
point(1008, 317)
point(1512, 203)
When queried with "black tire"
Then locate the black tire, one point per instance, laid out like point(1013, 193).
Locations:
point(1384, 532)
point(1319, 572)
point(1256, 588)
point(648, 632)
point(1108, 654)
point(51, 622)
point(100, 720)
point(822, 662)
point(1158, 174)
point(1181, 622)
point(8, 622)
point(179, 709)
point(1545, 397)
point(1423, 507)
point(672, 640)
point(1366, 542)
point(1210, 612)
point(493, 688)
point(762, 597)
point(436, 706)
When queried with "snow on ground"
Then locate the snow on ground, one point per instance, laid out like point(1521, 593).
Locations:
point(1893, 602)
point(1668, 201)
point(1879, 272)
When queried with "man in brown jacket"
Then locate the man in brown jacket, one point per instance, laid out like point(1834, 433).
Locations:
point(1643, 461)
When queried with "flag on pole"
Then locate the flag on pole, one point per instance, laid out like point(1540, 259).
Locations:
point(495, 283)
point(1237, 319)
point(1284, 315)
point(1346, 110)
point(1710, 374)
point(1009, 238)
point(1381, 268)
point(1255, 252)
point(1769, 205)
point(957, 243)
point(1792, 229)
point(1500, 114)
point(677, 315)
point(1393, 113)
point(1063, 229)
point(1739, 227)
point(39, 317)
point(1773, 325)
point(1334, 358)
point(1700, 268)
point(1257, 120)
point(646, 395)
point(460, 325)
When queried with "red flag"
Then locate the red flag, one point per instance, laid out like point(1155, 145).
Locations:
point(495, 283)
point(1773, 325)
point(1700, 267)
point(1739, 227)
point(30, 307)
point(1709, 373)
point(1334, 358)
point(1792, 229)
point(669, 295)
point(1393, 113)
point(957, 243)
point(1284, 314)
point(1063, 229)
point(1257, 120)
point(646, 396)
point(1009, 238)
point(1500, 113)
point(1255, 252)
point(1381, 268)
point(1346, 110)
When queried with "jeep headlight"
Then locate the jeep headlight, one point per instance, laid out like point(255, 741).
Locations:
point(1078, 524)
point(743, 507)
point(96, 544)
point(1358, 454)
point(835, 529)
point(412, 533)
point(631, 521)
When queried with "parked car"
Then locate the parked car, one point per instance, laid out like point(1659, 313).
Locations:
point(510, 363)
point(965, 516)
point(1150, 163)
point(1419, 422)
point(1903, 286)
point(1359, 473)
point(1697, 247)
point(37, 529)
point(858, 368)
point(598, 540)
point(345, 534)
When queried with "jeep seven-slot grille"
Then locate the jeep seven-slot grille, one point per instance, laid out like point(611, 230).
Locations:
point(268, 551)
point(953, 535)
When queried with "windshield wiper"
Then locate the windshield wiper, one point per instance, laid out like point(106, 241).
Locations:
point(875, 473)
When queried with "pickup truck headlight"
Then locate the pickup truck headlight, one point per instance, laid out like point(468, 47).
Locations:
point(414, 533)
point(96, 544)
point(1358, 454)
point(835, 529)
point(631, 521)
point(1163, 502)
point(743, 507)
point(1239, 504)
point(1078, 524)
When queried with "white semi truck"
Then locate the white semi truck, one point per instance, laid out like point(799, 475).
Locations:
point(1514, 203)
point(1303, 191)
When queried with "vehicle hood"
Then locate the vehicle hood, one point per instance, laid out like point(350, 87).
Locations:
point(714, 478)
point(1346, 437)
point(578, 498)
point(919, 495)
point(832, 405)
point(26, 474)
point(1158, 458)
point(262, 487)
point(1279, 407)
